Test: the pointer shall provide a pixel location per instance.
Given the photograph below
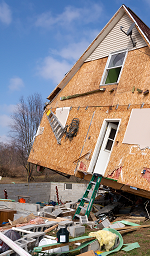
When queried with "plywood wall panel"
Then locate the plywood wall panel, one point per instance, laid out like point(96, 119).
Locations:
point(86, 79)
point(129, 157)
point(135, 73)
point(46, 152)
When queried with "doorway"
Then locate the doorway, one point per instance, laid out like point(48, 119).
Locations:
point(104, 146)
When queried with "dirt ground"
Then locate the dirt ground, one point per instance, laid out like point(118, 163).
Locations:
point(141, 236)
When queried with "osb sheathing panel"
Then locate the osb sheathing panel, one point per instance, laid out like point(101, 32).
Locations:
point(130, 157)
point(46, 152)
point(86, 79)
point(135, 73)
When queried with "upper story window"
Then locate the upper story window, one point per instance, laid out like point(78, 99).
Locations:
point(114, 67)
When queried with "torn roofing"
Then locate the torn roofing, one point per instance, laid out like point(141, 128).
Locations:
point(140, 25)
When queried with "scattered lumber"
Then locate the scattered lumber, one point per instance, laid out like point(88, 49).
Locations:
point(137, 218)
point(71, 242)
point(51, 228)
point(133, 220)
point(130, 228)
point(58, 219)
point(93, 216)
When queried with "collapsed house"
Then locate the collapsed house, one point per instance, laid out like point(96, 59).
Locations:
point(97, 118)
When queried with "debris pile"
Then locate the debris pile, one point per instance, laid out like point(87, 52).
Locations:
point(55, 228)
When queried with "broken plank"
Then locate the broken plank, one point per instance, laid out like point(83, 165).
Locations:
point(81, 157)
point(71, 241)
point(93, 216)
point(137, 218)
point(132, 220)
point(58, 219)
point(130, 229)
point(51, 228)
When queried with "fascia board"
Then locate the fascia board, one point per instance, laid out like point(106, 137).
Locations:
point(104, 32)
point(139, 29)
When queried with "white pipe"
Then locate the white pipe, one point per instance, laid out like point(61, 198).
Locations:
point(22, 230)
point(13, 245)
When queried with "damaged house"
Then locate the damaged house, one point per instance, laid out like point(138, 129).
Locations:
point(98, 117)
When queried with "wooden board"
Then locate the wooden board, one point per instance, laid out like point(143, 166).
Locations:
point(5, 215)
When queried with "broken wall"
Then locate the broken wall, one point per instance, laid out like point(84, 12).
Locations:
point(126, 161)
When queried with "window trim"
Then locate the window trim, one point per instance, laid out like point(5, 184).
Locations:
point(102, 83)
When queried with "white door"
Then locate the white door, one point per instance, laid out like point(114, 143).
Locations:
point(106, 148)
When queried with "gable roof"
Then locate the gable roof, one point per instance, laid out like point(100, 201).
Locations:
point(143, 29)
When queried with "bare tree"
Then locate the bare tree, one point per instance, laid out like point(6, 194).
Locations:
point(26, 119)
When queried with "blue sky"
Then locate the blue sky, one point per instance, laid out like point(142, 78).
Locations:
point(40, 40)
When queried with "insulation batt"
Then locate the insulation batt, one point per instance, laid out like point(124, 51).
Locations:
point(35, 221)
point(105, 238)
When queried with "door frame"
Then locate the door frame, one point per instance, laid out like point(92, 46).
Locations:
point(100, 141)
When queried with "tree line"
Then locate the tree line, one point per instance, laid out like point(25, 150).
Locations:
point(25, 122)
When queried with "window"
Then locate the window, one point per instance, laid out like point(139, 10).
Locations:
point(113, 68)
point(111, 138)
point(68, 186)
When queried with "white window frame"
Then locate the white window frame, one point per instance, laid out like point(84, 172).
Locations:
point(100, 141)
point(104, 77)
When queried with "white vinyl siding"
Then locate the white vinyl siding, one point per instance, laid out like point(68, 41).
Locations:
point(116, 40)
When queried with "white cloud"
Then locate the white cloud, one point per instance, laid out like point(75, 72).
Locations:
point(51, 68)
point(72, 51)
point(5, 13)
point(16, 84)
point(69, 15)
point(5, 120)
point(7, 108)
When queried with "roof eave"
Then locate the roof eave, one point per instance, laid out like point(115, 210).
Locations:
point(91, 48)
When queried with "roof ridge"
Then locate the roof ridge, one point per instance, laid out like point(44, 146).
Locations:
point(137, 16)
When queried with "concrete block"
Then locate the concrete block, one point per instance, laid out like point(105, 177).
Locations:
point(26, 243)
point(68, 217)
point(71, 205)
point(32, 208)
point(48, 209)
point(83, 219)
point(94, 246)
point(65, 224)
point(104, 224)
point(56, 212)
point(36, 235)
point(76, 230)
point(40, 227)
